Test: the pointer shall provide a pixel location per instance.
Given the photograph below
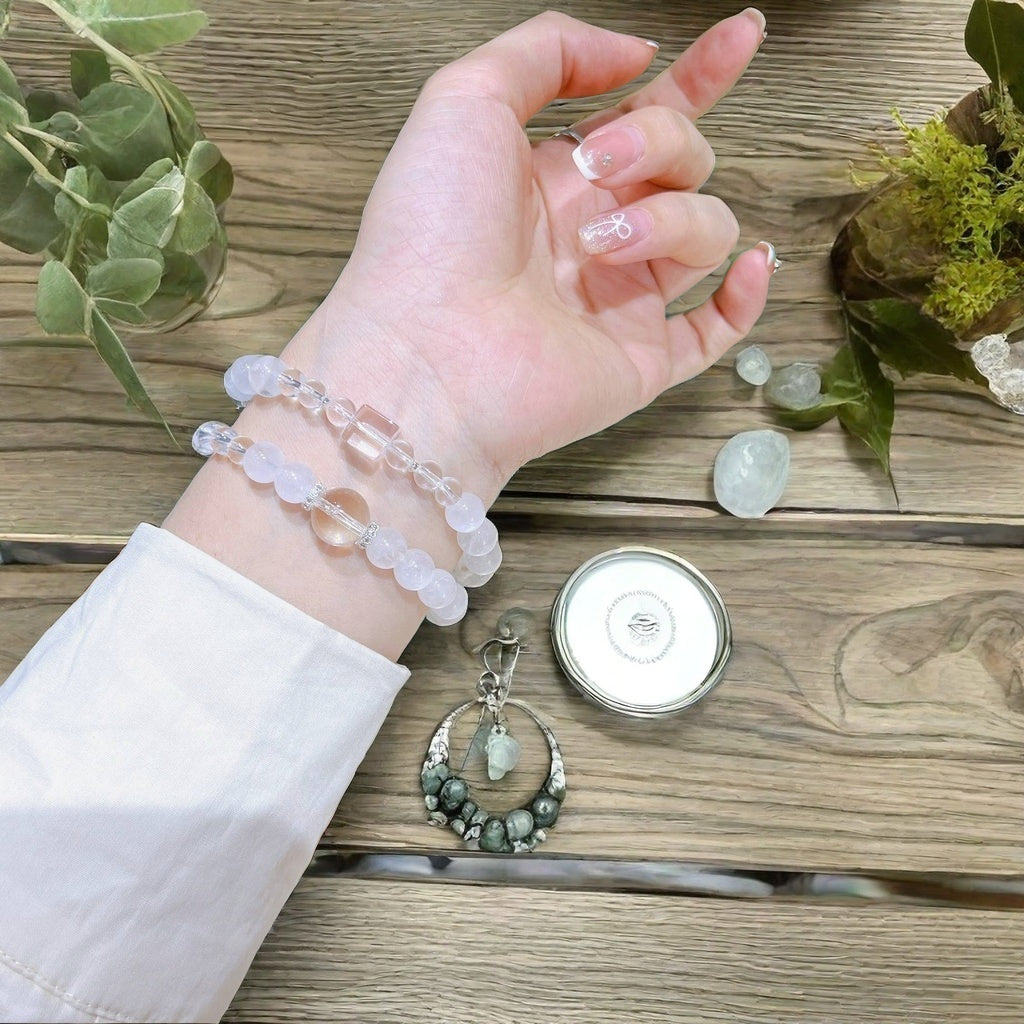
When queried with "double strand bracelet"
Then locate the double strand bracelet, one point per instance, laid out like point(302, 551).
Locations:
point(339, 517)
point(372, 437)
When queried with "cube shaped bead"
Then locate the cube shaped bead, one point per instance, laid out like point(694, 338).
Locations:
point(368, 434)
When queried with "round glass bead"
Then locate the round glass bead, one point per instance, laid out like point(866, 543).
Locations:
point(264, 376)
point(202, 439)
point(237, 449)
point(452, 612)
point(447, 492)
point(293, 481)
point(426, 475)
point(384, 549)
point(290, 387)
point(398, 455)
point(236, 379)
point(466, 514)
point(467, 578)
point(261, 461)
point(440, 590)
point(312, 394)
point(480, 540)
point(341, 412)
point(414, 569)
point(344, 530)
point(222, 439)
point(483, 565)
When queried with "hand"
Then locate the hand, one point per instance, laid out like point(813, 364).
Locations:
point(470, 264)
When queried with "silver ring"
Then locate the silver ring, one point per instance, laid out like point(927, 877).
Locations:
point(569, 133)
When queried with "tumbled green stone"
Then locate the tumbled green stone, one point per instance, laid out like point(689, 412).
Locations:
point(458, 826)
point(518, 823)
point(434, 778)
point(467, 810)
point(493, 838)
point(453, 792)
point(545, 810)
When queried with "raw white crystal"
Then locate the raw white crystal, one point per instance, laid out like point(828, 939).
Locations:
point(753, 365)
point(751, 471)
point(502, 754)
point(797, 386)
point(1007, 385)
point(990, 353)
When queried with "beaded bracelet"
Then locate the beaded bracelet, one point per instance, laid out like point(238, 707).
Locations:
point(372, 436)
point(339, 517)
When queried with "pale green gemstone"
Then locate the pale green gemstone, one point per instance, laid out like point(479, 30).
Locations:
point(519, 823)
point(503, 754)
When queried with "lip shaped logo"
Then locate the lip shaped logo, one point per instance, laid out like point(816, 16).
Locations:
point(640, 626)
point(644, 627)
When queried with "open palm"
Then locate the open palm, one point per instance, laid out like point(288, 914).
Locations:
point(538, 341)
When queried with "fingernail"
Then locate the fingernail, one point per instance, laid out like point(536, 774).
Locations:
point(758, 18)
point(604, 153)
point(616, 230)
point(652, 44)
point(771, 260)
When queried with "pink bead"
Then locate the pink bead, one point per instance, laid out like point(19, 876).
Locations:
point(346, 525)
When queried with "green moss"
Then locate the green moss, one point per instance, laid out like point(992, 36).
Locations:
point(963, 209)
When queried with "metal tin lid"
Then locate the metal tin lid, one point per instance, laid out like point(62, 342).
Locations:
point(641, 631)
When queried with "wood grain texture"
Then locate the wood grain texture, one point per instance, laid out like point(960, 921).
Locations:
point(307, 99)
point(384, 953)
point(871, 717)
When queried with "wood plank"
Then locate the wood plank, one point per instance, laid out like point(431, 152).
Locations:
point(871, 717)
point(378, 953)
point(784, 137)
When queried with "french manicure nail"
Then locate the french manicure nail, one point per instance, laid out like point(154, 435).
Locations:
point(758, 18)
point(615, 230)
point(652, 44)
point(771, 260)
point(606, 152)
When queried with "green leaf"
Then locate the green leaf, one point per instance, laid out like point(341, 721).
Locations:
point(12, 108)
point(42, 104)
point(130, 281)
point(27, 219)
point(143, 226)
point(910, 342)
point(126, 312)
point(139, 27)
point(5, 17)
point(123, 130)
point(869, 408)
point(62, 307)
point(994, 37)
point(181, 115)
point(89, 69)
point(113, 353)
point(197, 223)
point(207, 165)
point(145, 181)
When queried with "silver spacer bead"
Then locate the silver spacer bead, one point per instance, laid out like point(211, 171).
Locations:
point(367, 535)
point(316, 493)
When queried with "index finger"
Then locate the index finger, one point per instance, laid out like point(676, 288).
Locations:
point(707, 70)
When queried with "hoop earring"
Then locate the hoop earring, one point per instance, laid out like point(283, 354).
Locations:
point(448, 798)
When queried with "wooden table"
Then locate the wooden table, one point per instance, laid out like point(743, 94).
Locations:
point(872, 716)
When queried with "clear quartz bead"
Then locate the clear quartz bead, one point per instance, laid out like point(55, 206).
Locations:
point(465, 576)
point(223, 439)
point(414, 569)
point(447, 492)
point(480, 540)
point(466, 514)
point(293, 481)
point(341, 412)
point(237, 449)
point(261, 461)
point(483, 565)
point(291, 382)
point(385, 548)
point(440, 590)
point(398, 455)
point(369, 433)
point(237, 382)
point(427, 475)
point(340, 517)
point(264, 376)
point(202, 439)
point(452, 612)
point(312, 394)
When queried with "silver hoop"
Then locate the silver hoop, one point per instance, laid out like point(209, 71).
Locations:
point(569, 133)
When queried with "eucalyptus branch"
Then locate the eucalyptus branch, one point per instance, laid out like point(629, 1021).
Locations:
point(49, 177)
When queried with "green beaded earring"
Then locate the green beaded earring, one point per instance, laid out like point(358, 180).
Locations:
point(447, 795)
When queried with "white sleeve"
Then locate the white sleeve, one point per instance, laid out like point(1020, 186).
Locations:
point(170, 753)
